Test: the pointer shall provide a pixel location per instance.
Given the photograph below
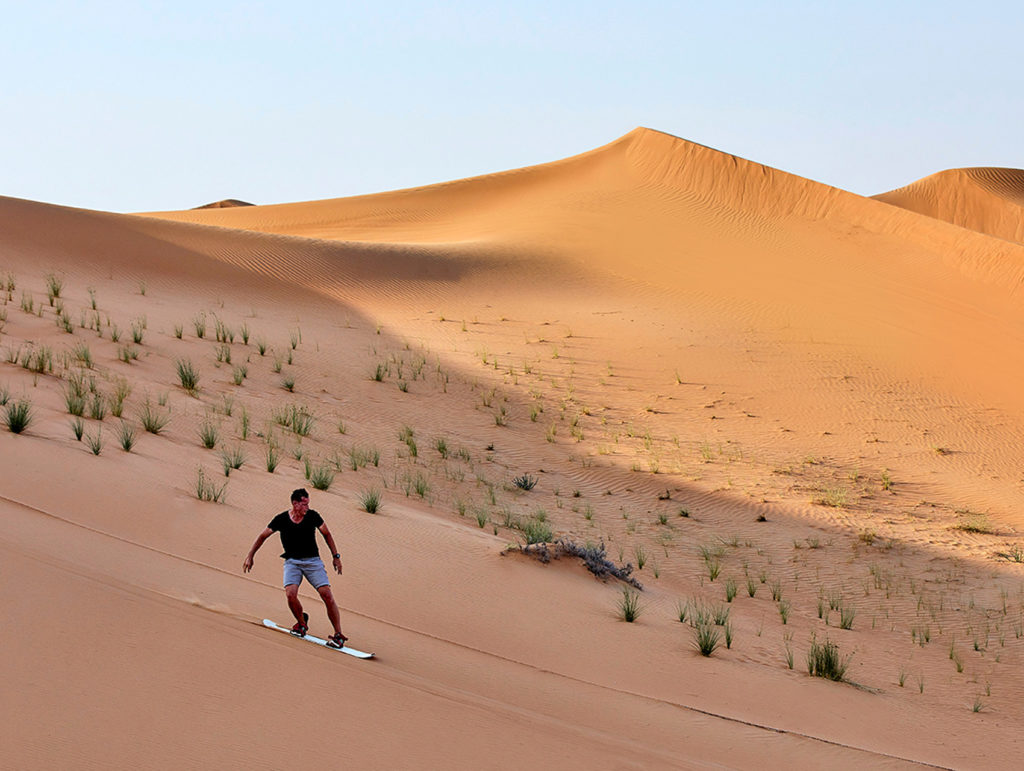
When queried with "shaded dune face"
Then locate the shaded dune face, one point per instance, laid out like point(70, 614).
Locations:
point(988, 200)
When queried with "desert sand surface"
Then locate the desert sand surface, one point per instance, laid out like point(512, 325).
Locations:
point(775, 400)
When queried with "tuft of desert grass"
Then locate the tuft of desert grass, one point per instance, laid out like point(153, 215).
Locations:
point(536, 530)
point(706, 638)
point(126, 435)
point(975, 523)
point(525, 482)
point(370, 500)
point(54, 286)
point(18, 415)
point(273, 457)
point(629, 605)
point(730, 589)
point(153, 421)
point(784, 607)
point(206, 490)
point(824, 660)
point(321, 477)
point(232, 458)
point(209, 434)
point(188, 375)
point(95, 442)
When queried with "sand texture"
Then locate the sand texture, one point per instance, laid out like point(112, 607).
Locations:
point(769, 400)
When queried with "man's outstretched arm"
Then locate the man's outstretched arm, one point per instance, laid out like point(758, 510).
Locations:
point(330, 545)
point(247, 565)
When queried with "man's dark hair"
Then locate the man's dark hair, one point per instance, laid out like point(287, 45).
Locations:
point(298, 495)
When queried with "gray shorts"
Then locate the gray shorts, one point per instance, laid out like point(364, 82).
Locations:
point(313, 569)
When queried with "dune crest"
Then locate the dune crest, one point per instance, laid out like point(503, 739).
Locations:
point(646, 189)
point(988, 200)
point(227, 203)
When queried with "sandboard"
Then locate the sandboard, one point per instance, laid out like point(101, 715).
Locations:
point(310, 638)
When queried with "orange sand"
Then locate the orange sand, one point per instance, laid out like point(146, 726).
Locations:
point(650, 328)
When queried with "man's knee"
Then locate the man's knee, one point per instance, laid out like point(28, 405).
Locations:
point(291, 591)
point(326, 593)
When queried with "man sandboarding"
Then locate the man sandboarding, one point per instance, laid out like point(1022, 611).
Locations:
point(302, 559)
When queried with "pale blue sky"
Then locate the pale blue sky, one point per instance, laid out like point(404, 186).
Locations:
point(130, 106)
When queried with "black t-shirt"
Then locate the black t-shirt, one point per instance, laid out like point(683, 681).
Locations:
point(298, 539)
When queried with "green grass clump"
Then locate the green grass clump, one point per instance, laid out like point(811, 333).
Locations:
point(78, 428)
point(824, 660)
point(730, 589)
point(232, 458)
point(629, 605)
point(359, 457)
point(188, 375)
point(38, 360)
point(74, 399)
point(18, 415)
point(273, 457)
point(706, 638)
point(641, 556)
point(370, 500)
point(95, 443)
point(154, 422)
point(209, 434)
point(54, 286)
point(1012, 554)
point(536, 530)
point(321, 477)
point(121, 392)
point(975, 523)
point(98, 406)
point(784, 608)
point(206, 490)
point(126, 436)
point(525, 482)
point(83, 355)
point(299, 419)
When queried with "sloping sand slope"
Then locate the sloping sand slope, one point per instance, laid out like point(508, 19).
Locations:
point(984, 199)
point(769, 396)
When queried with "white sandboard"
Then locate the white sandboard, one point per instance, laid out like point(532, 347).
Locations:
point(310, 638)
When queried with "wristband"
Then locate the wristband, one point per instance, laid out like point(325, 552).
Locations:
point(337, 556)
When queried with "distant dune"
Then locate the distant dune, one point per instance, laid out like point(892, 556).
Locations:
point(988, 200)
point(227, 203)
point(789, 412)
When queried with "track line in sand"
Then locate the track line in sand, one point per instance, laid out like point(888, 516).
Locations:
point(515, 662)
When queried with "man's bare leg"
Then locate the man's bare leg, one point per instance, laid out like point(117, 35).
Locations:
point(292, 593)
point(332, 608)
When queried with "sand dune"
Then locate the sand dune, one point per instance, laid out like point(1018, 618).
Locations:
point(227, 203)
point(768, 395)
point(988, 200)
